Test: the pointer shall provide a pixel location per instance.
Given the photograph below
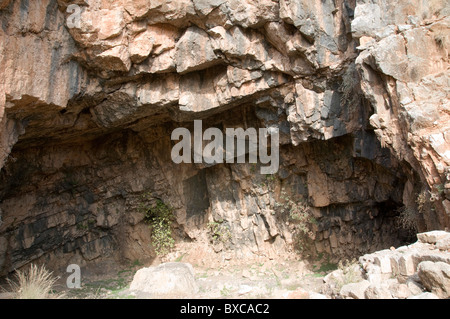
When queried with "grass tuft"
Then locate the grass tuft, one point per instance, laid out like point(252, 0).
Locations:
point(36, 283)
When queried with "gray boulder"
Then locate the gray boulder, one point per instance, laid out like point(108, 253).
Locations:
point(168, 279)
point(435, 276)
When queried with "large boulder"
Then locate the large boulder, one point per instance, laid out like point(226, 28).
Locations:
point(168, 279)
point(435, 276)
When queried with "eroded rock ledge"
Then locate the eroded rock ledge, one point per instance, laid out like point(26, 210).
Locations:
point(86, 113)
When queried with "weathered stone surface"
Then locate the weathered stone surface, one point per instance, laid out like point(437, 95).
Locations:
point(194, 51)
point(435, 277)
point(86, 112)
point(412, 73)
point(169, 279)
point(377, 292)
point(372, 16)
point(408, 271)
point(368, 20)
point(115, 59)
point(355, 290)
point(141, 46)
point(400, 291)
point(443, 244)
point(414, 285)
point(433, 237)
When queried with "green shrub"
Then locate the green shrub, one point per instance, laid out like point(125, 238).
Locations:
point(159, 217)
point(219, 232)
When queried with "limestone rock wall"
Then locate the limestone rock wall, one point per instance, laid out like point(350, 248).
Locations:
point(89, 97)
point(404, 68)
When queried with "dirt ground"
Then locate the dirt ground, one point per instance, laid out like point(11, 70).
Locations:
point(216, 278)
point(261, 280)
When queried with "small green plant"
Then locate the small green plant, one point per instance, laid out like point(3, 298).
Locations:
point(86, 225)
point(270, 178)
point(159, 217)
point(36, 283)
point(219, 231)
point(136, 263)
point(179, 258)
point(440, 189)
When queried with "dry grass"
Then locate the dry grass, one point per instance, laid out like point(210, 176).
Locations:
point(36, 283)
point(407, 219)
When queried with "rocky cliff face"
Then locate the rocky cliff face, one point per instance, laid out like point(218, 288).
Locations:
point(91, 90)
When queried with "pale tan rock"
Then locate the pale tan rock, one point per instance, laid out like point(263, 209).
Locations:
point(433, 237)
point(111, 23)
point(355, 290)
point(250, 14)
point(140, 47)
point(400, 291)
point(443, 244)
point(163, 36)
point(299, 293)
point(137, 8)
point(435, 277)
point(115, 59)
point(377, 292)
point(194, 51)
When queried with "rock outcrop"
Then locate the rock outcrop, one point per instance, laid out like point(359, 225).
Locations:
point(404, 69)
point(405, 272)
point(91, 90)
